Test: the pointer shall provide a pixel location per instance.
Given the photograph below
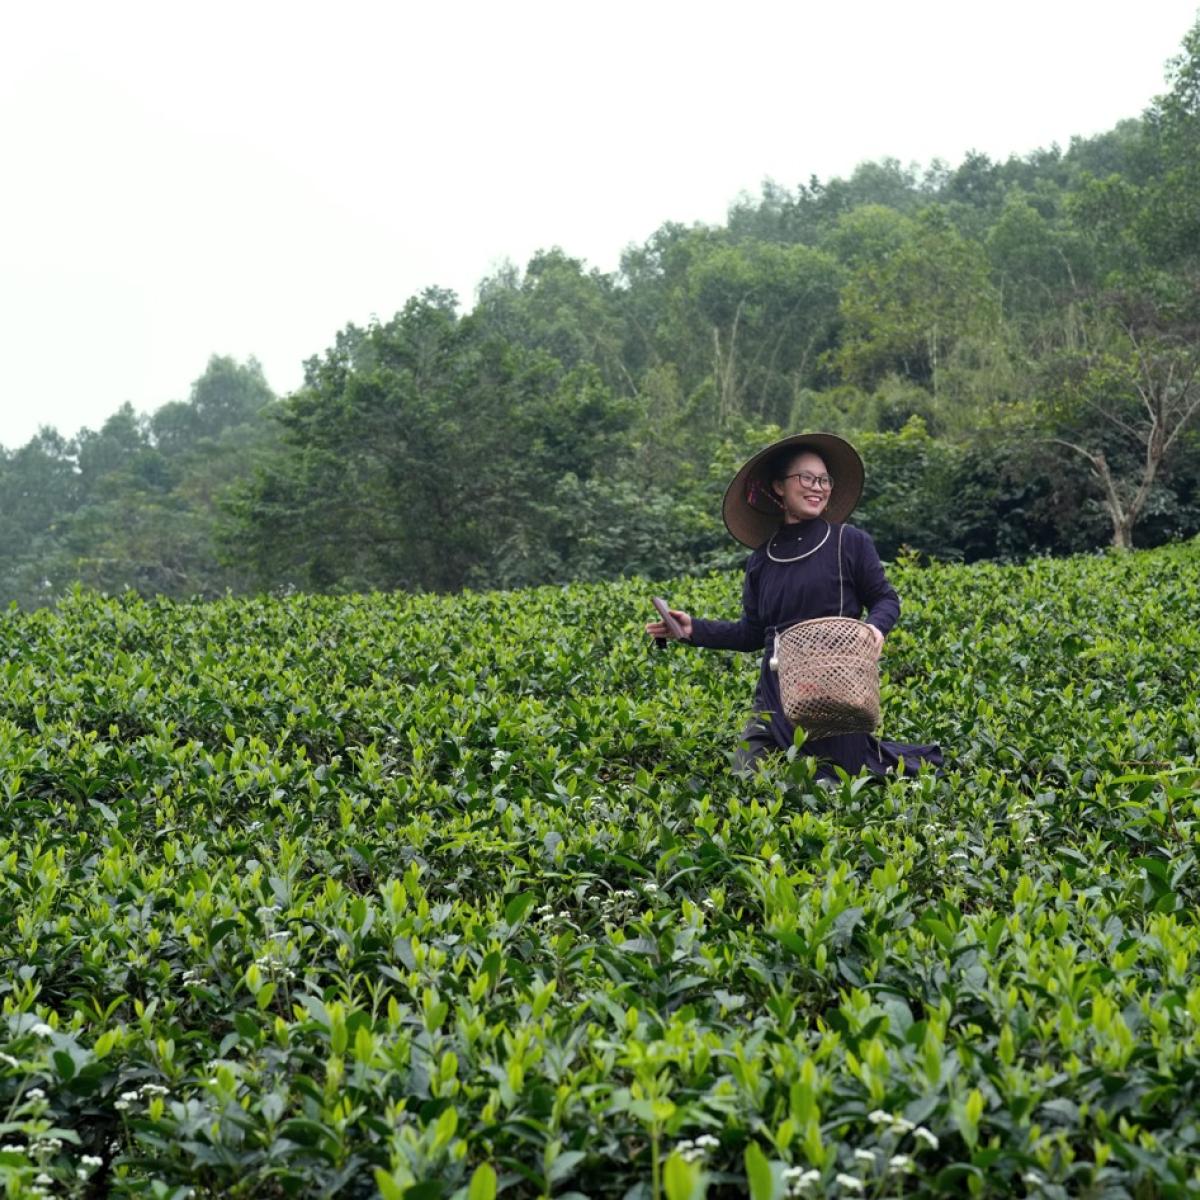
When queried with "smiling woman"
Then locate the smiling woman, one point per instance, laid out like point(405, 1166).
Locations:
point(790, 503)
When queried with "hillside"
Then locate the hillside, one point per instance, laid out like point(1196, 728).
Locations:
point(395, 894)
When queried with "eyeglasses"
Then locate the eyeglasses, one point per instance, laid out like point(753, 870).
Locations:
point(808, 479)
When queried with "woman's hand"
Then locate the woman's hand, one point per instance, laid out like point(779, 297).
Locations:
point(878, 636)
point(658, 629)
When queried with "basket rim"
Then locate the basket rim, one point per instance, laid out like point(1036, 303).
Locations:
point(821, 621)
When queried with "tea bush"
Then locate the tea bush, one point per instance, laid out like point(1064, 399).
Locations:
point(425, 896)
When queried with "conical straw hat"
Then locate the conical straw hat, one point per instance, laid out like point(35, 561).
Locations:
point(752, 512)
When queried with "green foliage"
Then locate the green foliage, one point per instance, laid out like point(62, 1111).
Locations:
point(417, 896)
point(907, 311)
point(425, 453)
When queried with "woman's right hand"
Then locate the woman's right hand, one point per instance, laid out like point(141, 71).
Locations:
point(658, 629)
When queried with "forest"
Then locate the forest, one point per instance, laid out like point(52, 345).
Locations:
point(1014, 346)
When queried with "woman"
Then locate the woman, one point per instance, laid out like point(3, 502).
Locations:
point(789, 502)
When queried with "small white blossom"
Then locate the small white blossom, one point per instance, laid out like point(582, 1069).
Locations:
point(130, 1096)
point(8, 1060)
point(899, 1162)
point(879, 1117)
point(809, 1177)
point(707, 1141)
point(44, 1179)
point(903, 1125)
point(864, 1156)
point(849, 1182)
point(1032, 1178)
point(792, 1174)
point(923, 1135)
point(154, 1089)
point(92, 1160)
point(121, 1105)
point(41, 1029)
point(36, 1094)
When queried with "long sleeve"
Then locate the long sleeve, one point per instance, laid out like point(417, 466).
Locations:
point(745, 634)
point(877, 595)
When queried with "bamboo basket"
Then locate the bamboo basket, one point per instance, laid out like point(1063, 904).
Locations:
point(828, 676)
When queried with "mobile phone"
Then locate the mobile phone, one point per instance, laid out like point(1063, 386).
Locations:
point(673, 626)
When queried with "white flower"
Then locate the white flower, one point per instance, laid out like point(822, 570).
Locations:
point(793, 1173)
point(903, 1125)
point(92, 1160)
point(130, 1096)
point(8, 1060)
point(121, 1105)
point(849, 1182)
point(864, 1156)
point(879, 1117)
point(35, 1094)
point(41, 1029)
point(923, 1135)
point(154, 1089)
point(1032, 1178)
point(707, 1141)
point(900, 1162)
point(44, 1179)
point(809, 1177)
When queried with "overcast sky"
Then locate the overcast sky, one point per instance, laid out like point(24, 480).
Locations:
point(187, 179)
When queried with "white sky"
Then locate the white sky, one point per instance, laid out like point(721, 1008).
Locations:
point(183, 179)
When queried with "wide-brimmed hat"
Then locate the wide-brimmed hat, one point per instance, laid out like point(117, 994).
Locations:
point(753, 512)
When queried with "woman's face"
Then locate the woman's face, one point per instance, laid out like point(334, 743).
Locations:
point(804, 498)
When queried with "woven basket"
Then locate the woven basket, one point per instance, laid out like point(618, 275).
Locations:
point(828, 676)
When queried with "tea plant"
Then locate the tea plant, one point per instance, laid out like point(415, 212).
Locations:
point(425, 896)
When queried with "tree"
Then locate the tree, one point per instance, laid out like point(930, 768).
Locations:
point(759, 315)
point(558, 307)
point(1131, 399)
point(39, 489)
point(904, 312)
point(1169, 221)
point(420, 454)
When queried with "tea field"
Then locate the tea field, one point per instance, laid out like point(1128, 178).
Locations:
point(422, 896)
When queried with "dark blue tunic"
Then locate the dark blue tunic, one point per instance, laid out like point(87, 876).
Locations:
point(779, 594)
